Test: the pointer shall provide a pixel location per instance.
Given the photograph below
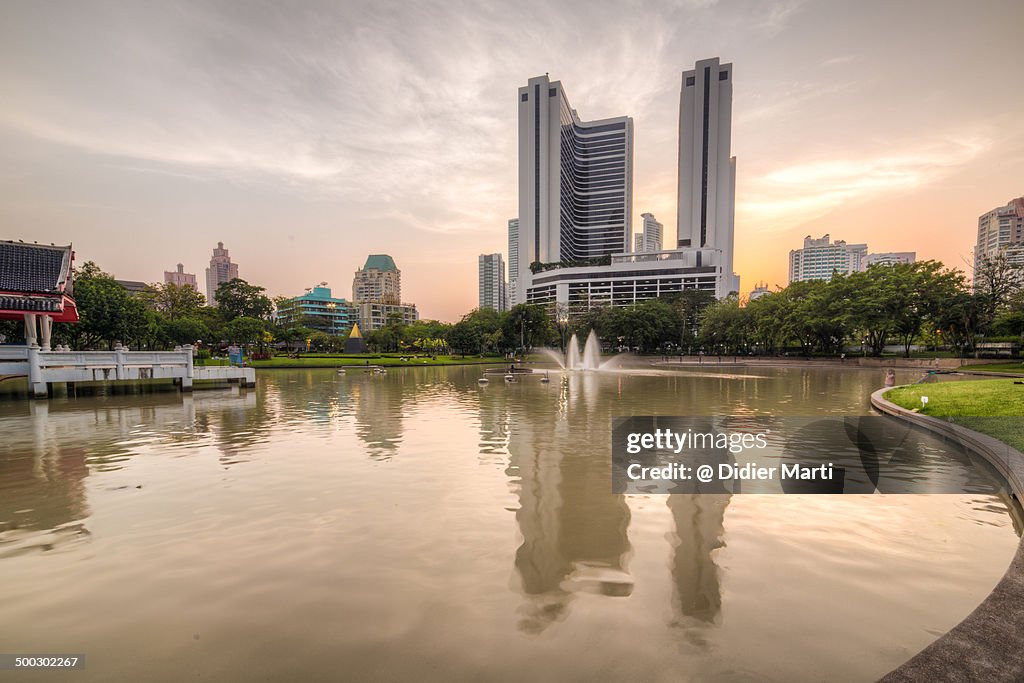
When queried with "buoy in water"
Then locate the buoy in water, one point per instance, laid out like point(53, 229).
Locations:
point(483, 380)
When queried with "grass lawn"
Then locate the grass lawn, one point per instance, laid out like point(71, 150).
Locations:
point(328, 361)
point(1015, 367)
point(986, 406)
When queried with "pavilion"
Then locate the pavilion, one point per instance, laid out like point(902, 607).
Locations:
point(36, 287)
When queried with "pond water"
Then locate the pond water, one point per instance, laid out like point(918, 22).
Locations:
point(416, 525)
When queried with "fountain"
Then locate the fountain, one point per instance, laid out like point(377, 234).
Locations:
point(572, 353)
point(589, 360)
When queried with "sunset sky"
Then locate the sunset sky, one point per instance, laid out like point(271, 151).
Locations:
point(307, 135)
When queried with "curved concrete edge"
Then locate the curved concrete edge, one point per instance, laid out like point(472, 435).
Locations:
point(988, 645)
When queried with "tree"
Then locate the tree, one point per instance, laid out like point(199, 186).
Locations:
point(527, 325)
point(236, 298)
point(107, 312)
point(173, 301)
point(997, 280)
point(244, 330)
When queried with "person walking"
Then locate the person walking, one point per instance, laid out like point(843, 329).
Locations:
point(890, 378)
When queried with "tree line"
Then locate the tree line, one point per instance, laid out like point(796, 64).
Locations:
point(921, 302)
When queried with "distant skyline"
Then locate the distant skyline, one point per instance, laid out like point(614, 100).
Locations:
point(306, 136)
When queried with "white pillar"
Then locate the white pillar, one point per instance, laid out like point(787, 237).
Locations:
point(186, 381)
point(36, 383)
point(45, 329)
point(30, 329)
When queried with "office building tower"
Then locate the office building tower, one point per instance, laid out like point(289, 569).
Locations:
point(575, 181)
point(1001, 231)
point(492, 282)
point(378, 280)
point(707, 169)
point(181, 278)
point(821, 259)
point(220, 271)
point(513, 260)
point(649, 239)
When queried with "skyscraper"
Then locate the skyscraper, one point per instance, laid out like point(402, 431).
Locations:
point(707, 169)
point(575, 181)
point(377, 294)
point(492, 282)
point(220, 271)
point(181, 278)
point(1001, 231)
point(650, 239)
point(513, 260)
point(378, 280)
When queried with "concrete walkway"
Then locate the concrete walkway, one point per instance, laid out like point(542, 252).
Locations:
point(989, 644)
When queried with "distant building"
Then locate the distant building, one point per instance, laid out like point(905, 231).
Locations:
point(759, 291)
point(821, 259)
point(377, 294)
point(513, 261)
point(374, 315)
point(707, 169)
point(181, 278)
point(493, 291)
point(318, 310)
point(134, 287)
point(649, 239)
point(889, 258)
point(1001, 231)
point(378, 280)
point(220, 271)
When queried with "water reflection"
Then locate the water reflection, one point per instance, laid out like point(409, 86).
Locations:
point(574, 531)
point(699, 531)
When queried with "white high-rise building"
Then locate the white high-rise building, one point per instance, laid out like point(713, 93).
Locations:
point(1001, 231)
point(650, 239)
point(821, 259)
point(575, 182)
point(513, 260)
point(707, 169)
point(493, 293)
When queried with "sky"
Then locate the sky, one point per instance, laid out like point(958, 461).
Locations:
point(306, 135)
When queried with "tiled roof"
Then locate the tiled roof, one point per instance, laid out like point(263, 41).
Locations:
point(33, 267)
point(31, 304)
point(380, 262)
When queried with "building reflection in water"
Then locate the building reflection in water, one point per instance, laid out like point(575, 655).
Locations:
point(699, 531)
point(51, 447)
point(574, 529)
point(42, 486)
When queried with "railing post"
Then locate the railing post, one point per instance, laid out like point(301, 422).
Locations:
point(119, 370)
point(36, 382)
point(186, 381)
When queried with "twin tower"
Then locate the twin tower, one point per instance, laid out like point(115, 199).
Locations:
point(576, 184)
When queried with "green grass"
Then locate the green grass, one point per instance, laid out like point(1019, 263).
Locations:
point(327, 361)
point(1015, 367)
point(985, 406)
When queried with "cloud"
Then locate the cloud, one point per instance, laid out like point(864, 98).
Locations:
point(813, 188)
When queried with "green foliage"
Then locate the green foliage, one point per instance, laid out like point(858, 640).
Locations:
point(244, 330)
point(174, 301)
point(107, 312)
point(236, 298)
point(538, 267)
